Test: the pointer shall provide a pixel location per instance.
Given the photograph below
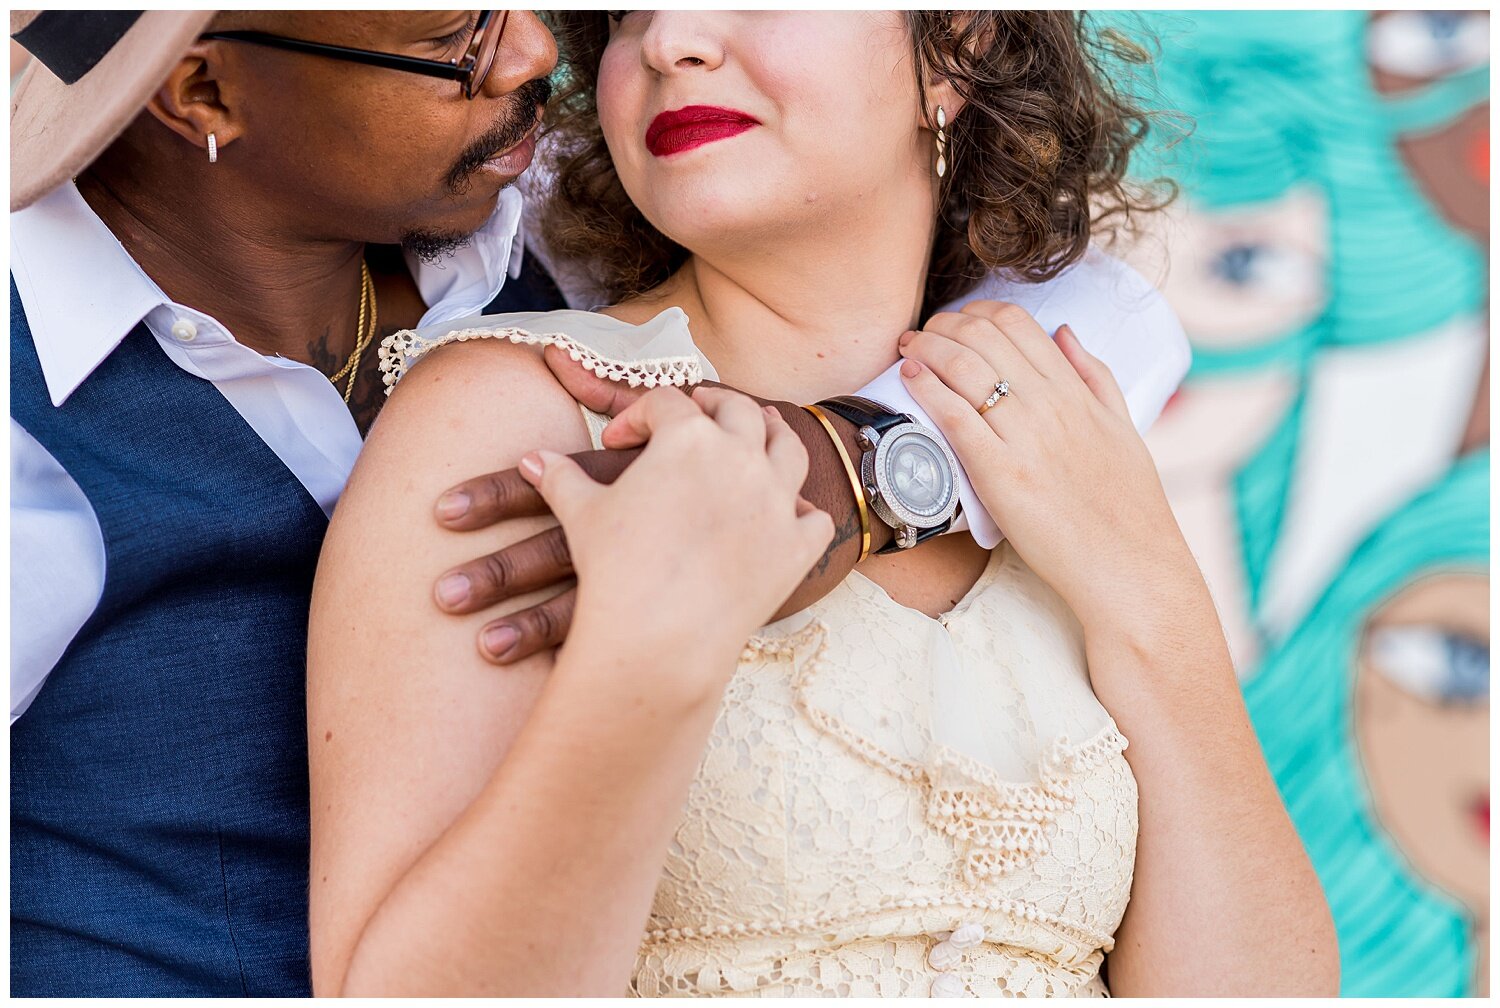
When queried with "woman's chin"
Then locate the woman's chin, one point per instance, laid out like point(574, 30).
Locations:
point(705, 223)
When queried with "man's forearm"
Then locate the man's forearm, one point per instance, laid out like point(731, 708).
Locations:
point(544, 560)
point(828, 487)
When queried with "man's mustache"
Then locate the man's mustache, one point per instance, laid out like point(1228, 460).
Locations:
point(509, 130)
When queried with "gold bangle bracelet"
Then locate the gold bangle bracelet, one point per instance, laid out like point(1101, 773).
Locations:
point(854, 484)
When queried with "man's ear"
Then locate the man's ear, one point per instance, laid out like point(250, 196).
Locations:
point(191, 103)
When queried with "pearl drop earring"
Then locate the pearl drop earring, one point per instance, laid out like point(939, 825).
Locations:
point(942, 142)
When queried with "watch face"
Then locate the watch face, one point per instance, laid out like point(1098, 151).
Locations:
point(918, 475)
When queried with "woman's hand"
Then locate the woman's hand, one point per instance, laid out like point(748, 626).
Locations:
point(1057, 462)
point(1059, 465)
point(696, 544)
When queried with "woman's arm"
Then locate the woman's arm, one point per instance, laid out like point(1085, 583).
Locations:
point(486, 832)
point(1225, 900)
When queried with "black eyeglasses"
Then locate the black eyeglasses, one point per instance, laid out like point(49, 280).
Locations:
point(469, 70)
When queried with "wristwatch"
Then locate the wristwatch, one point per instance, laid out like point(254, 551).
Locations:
point(906, 469)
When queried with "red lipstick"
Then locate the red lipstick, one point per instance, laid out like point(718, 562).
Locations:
point(693, 126)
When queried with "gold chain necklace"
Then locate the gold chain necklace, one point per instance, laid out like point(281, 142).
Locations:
point(363, 335)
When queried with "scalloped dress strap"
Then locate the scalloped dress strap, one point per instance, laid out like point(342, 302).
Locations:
point(596, 423)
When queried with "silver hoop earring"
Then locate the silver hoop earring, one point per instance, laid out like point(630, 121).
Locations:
point(942, 142)
point(213, 149)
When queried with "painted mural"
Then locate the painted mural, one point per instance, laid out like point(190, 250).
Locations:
point(1328, 456)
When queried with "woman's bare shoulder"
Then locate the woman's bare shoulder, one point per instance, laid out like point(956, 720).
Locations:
point(466, 410)
point(482, 400)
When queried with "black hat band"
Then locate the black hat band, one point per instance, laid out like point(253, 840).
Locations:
point(71, 43)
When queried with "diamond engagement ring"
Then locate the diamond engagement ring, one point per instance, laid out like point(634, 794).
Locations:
point(1002, 389)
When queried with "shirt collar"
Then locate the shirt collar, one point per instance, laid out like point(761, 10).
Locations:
point(83, 293)
point(463, 282)
point(81, 290)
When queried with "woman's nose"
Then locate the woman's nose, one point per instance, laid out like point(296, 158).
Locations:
point(676, 41)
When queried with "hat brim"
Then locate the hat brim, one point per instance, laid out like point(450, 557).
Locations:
point(57, 129)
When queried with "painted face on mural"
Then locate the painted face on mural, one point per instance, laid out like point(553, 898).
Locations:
point(1323, 251)
point(1429, 57)
point(1422, 720)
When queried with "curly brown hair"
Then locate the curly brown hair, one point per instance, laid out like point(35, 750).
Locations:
point(1037, 161)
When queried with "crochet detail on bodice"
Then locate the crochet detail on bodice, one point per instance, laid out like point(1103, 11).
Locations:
point(830, 846)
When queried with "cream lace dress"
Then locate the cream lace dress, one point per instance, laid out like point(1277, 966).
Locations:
point(888, 804)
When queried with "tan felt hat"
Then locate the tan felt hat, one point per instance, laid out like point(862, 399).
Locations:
point(92, 74)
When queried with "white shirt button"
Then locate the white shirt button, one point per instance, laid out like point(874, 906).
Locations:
point(184, 331)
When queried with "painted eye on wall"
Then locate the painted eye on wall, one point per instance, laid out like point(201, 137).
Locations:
point(1242, 276)
point(1432, 663)
point(1426, 45)
point(1250, 266)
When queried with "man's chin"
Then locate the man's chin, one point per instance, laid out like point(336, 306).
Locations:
point(465, 212)
point(432, 247)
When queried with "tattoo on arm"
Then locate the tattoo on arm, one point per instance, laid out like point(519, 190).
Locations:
point(845, 530)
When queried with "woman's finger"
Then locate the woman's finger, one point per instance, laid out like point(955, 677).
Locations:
point(987, 339)
point(960, 423)
point(657, 408)
point(1024, 333)
point(522, 567)
point(736, 412)
point(562, 483)
point(785, 449)
point(816, 528)
point(1094, 372)
point(522, 634)
point(961, 368)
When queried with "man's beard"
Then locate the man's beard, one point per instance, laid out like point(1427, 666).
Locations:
point(515, 122)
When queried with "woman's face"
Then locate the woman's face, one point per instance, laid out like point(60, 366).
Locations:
point(785, 122)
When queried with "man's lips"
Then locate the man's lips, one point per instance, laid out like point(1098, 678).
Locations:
point(515, 159)
point(693, 126)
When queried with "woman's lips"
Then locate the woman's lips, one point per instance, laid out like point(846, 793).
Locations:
point(693, 126)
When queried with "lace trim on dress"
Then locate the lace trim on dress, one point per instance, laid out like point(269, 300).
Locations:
point(1019, 909)
point(399, 351)
point(1004, 823)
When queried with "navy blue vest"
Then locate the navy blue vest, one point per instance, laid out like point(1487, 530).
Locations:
point(158, 783)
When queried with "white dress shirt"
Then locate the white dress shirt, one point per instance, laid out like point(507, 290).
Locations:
point(83, 293)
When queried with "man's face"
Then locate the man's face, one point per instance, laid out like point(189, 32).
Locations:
point(365, 153)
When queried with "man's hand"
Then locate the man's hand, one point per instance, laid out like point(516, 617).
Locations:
point(543, 559)
point(533, 563)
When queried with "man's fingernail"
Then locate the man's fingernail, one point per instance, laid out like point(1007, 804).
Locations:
point(499, 639)
point(531, 465)
point(910, 369)
point(905, 338)
point(453, 505)
point(453, 589)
